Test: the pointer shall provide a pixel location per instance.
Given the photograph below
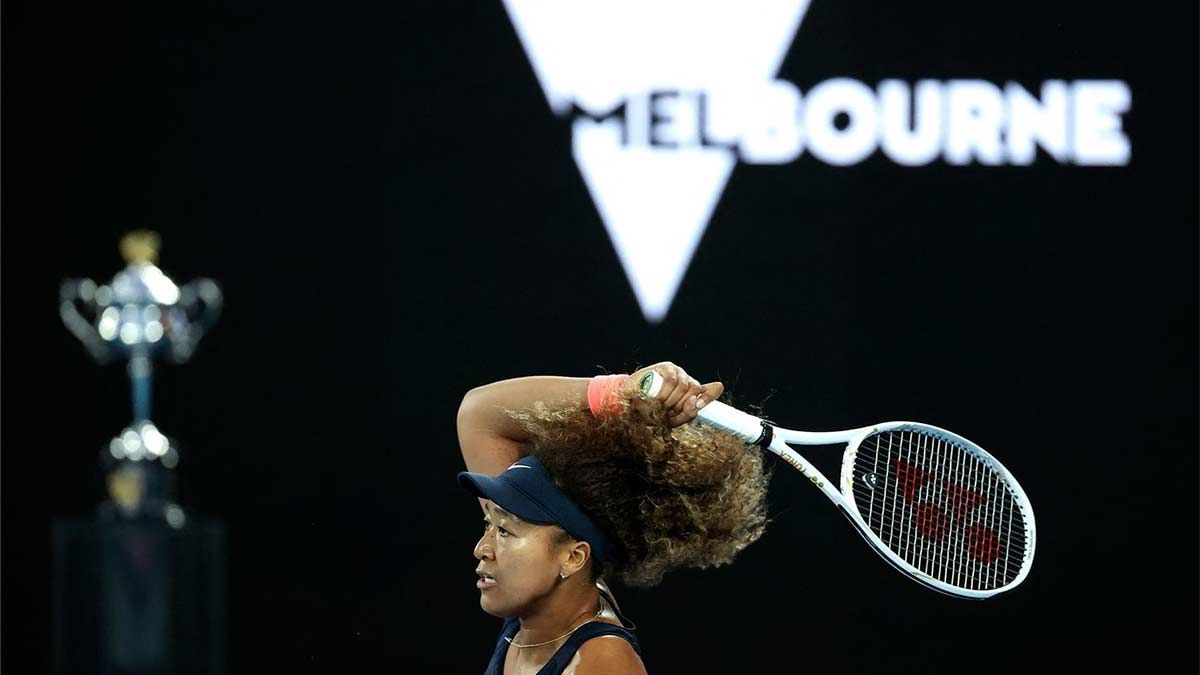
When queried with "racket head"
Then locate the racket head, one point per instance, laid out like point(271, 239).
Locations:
point(940, 508)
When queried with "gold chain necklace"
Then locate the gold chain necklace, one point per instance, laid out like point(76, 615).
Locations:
point(539, 644)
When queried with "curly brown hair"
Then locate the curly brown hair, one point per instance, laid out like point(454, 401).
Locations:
point(686, 497)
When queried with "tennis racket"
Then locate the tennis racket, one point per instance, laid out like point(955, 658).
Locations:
point(933, 504)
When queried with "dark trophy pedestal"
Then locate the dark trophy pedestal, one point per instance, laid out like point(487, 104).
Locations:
point(139, 598)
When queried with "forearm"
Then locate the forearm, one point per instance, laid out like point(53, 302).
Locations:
point(489, 438)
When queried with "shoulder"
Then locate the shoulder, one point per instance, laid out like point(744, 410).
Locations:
point(606, 654)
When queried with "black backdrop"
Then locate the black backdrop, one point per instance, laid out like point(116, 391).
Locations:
point(394, 215)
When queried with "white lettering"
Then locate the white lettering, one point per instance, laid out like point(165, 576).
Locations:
point(828, 100)
point(911, 142)
point(1030, 121)
point(1097, 137)
point(976, 117)
point(842, 121)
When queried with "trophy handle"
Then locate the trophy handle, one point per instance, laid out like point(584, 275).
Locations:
point(73, 294)
point(200, 300)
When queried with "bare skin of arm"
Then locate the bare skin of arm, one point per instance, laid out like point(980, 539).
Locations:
point(491, 441)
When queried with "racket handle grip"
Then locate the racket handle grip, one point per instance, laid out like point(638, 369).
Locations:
point(731, 420)
point(714, 413)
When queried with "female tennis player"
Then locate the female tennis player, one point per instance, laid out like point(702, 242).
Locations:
point(584, 478)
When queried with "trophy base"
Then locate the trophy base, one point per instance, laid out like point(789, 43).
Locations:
point(139, 597)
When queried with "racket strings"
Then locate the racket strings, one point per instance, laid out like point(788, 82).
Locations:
point(963, 491)
point(940, 508)
point(984, 542)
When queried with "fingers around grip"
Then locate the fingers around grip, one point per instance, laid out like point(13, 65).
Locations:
point(681, 395)
point(680, 419)
point(711, 392)
point(682, 385)
point(653, 385)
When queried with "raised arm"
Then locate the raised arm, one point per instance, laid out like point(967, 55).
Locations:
point(491, 441)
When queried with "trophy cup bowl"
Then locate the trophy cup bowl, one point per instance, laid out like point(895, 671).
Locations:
point(141, 311)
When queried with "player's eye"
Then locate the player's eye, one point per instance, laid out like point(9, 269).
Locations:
point(503, 532)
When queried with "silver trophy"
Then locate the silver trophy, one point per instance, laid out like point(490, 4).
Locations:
point(139, 316)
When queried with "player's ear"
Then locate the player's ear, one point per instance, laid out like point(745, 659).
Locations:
point(578, 555)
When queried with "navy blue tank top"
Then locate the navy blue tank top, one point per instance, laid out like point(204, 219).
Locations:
point(565, 653)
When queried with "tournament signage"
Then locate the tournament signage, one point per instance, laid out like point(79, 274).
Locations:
point(665, 97)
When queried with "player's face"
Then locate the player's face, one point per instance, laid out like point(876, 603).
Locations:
point(521, 560)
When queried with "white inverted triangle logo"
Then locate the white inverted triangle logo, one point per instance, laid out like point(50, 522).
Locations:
point(654, 185)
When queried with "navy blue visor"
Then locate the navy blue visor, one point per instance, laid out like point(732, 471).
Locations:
point(527, 491)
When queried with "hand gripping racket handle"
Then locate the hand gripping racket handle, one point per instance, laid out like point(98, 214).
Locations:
point(714, 413)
